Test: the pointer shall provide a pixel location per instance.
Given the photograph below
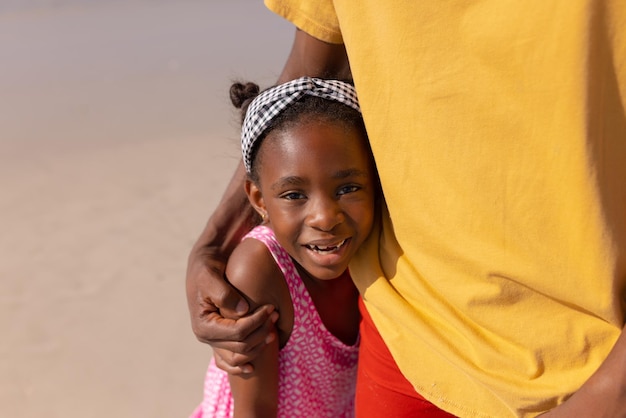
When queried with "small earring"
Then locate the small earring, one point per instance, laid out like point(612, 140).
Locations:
point(263, 216)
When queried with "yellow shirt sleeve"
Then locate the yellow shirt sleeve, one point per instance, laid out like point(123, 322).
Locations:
point(317, 18)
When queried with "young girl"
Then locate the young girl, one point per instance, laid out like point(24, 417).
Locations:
point(312, 180)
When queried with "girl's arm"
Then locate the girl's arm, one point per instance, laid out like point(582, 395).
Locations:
point(256, 394)
point(253, 271)
point(236, 341)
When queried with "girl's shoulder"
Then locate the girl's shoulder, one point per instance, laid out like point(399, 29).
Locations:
point(253, 270)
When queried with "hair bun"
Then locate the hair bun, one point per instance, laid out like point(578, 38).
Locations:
point(241, 93)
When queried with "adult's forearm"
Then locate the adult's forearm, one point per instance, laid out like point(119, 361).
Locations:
point(209, 296)
point(230, 221)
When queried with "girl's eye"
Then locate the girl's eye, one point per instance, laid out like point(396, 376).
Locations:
point(292, 196)
point(348, 189)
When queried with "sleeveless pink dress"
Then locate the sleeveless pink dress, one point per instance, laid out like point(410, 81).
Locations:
point(317, 373)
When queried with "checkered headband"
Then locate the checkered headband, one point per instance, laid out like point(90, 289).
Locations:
point(271, 102)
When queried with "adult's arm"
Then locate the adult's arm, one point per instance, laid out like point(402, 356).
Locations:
point(218, 312)
point(311, 57)
point(219, 315)
point(604, 394)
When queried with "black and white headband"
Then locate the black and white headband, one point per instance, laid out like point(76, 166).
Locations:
point(271, 102)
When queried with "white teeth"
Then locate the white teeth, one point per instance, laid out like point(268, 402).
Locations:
point(323, 250)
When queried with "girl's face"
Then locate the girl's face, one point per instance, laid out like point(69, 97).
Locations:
point(317, 187)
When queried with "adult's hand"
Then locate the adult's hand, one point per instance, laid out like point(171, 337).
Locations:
point(604, 394)
point(218, 316)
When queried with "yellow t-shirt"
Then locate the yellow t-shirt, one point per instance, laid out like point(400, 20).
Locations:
point(499, 131)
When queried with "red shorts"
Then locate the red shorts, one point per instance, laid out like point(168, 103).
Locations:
point(381, 389)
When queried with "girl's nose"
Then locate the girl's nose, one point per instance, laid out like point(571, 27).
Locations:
point(325, 214)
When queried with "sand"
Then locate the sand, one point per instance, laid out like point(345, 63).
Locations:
point(116, 140)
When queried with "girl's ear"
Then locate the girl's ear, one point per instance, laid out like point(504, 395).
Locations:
point(256, 198)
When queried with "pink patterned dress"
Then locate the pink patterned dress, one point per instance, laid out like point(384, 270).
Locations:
point(317, 371)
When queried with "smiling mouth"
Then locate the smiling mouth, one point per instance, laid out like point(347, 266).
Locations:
point(325, 249)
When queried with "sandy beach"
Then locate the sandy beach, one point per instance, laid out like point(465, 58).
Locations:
point(116, 141)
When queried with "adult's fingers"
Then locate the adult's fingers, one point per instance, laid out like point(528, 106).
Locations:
point(227, 361)
point(241, 335)
point(237, 363)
